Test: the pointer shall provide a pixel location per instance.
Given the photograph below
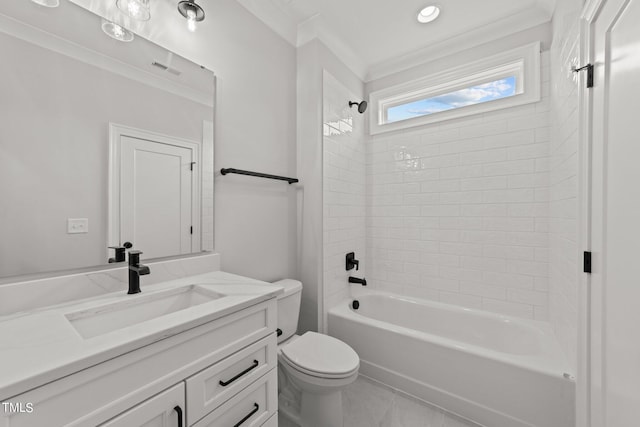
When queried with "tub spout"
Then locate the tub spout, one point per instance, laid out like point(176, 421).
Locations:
point(362, 281)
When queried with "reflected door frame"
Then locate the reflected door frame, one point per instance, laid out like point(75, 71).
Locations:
point(116, 134)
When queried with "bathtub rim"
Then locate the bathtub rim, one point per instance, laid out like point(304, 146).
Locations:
point(555, 357)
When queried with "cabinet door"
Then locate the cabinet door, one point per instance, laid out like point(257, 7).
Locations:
point(164, 410)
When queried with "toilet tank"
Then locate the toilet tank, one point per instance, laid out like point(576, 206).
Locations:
point(288, 307)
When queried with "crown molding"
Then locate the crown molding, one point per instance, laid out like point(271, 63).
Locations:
point(317, 27)
point(497, 30)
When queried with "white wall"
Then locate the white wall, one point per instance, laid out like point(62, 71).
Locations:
point(458, 211)
point(255, 130)
point(255, 117)
point(255, 125)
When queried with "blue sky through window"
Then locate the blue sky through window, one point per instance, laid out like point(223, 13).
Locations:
point(485, 92)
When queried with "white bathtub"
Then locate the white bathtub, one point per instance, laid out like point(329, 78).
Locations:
point(498, 371)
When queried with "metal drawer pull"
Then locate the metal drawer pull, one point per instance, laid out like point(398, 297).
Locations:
point(246, 371)
point(178, 409)
point(256, 407)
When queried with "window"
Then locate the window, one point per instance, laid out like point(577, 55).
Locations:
point(484, 92)
point(505, 80)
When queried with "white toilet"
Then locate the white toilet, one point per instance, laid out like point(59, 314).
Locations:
point(312, 368)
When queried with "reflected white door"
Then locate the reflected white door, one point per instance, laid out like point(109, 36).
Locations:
point(156, 197)
point(615, 281)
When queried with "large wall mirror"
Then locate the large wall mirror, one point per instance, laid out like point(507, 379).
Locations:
point(102, 142)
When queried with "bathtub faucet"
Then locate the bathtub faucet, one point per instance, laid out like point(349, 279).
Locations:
point(362, 281)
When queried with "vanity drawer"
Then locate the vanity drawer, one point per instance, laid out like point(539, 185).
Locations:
point(212, 387)
point(252, 407)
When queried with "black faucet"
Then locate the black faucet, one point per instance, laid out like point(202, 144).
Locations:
point(121, 255)
point(135, 271)
point(362, 281)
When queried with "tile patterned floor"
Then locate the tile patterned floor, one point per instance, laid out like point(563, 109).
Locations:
point(367, 403)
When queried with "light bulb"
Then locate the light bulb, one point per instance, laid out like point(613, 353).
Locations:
point(191, 20)
point(137, 9)
point(116, 31)
point(133, 8)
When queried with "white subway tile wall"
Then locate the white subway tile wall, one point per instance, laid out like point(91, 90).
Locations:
point(563, 201)
point(458, 211)
point(343, 189)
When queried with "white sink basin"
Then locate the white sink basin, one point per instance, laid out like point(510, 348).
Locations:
point(138, 308)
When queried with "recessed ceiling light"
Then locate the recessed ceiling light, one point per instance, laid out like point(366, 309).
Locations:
point(47, 3)
point(428, 14)
point(116, 31)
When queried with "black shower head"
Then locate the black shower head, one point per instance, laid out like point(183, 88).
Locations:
point(362, 106)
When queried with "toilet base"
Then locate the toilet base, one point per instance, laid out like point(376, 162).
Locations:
point(309, 409)
point(321, 409)
point(284, 418)
point(289, 405)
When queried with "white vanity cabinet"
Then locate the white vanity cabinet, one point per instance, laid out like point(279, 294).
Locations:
point(224, 367)
point(163, 410)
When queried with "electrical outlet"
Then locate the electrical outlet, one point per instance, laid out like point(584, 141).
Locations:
point(77, 225)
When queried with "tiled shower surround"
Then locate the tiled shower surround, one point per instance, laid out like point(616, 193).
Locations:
point(343, 188)
point(459, 211)
point(563, 195)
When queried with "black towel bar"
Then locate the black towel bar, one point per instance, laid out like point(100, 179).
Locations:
point(225, 171)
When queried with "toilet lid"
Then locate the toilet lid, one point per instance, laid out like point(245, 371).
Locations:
point(321, 355)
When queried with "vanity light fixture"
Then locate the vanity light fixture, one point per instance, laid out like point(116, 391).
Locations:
point(428, 14)
point(192, 12)
point(47, 3)
point(137, 9)
point(116, 31)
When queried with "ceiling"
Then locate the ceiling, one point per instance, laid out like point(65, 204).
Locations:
point(371, 33)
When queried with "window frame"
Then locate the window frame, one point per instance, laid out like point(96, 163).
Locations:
point(522, 62)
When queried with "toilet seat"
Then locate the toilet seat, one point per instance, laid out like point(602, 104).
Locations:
point(321, 356)
point(317, 374)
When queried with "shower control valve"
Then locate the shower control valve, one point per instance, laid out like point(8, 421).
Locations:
point(351, 261)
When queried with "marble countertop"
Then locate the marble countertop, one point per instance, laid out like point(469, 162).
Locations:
point(40, 346)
